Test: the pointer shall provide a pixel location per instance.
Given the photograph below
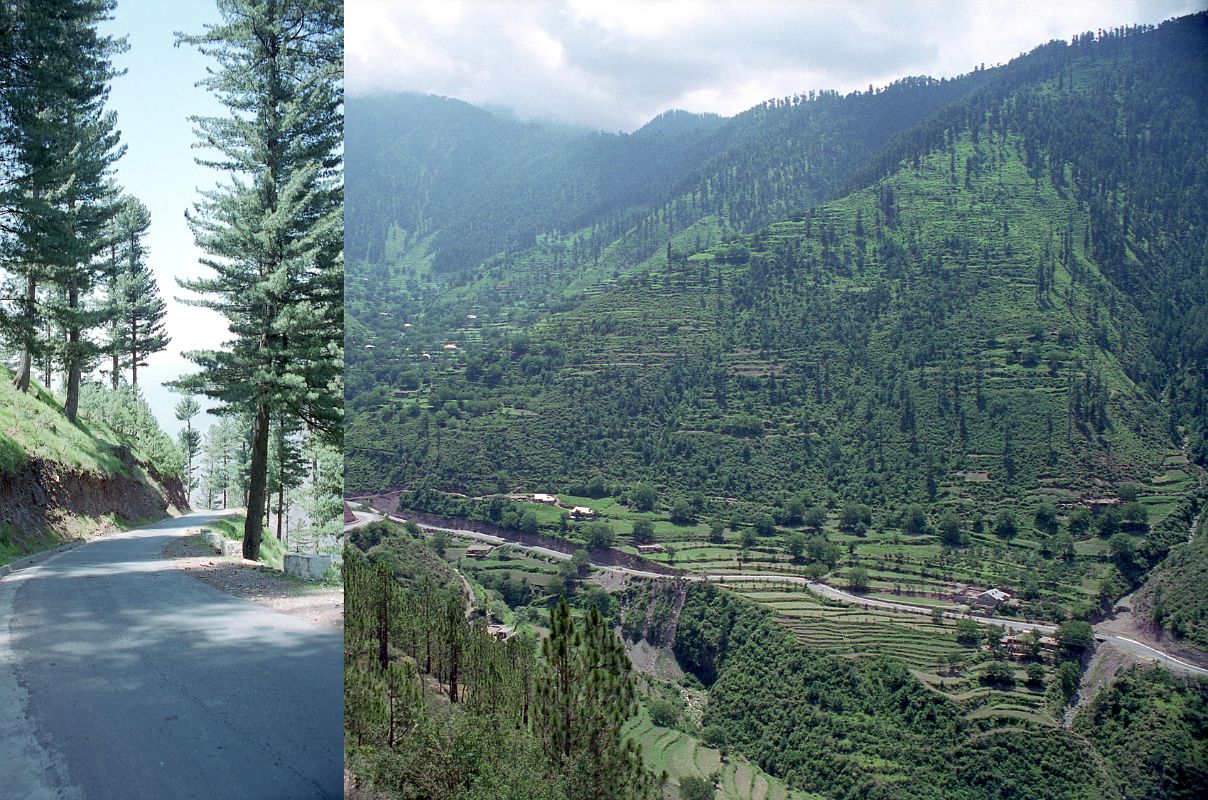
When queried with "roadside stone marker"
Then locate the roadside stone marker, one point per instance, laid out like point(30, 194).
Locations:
point(214, 538)
point(307, 566)
point(232, 547)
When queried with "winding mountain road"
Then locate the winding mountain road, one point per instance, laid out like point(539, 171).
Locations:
point(1132, 646)
point(122, 676)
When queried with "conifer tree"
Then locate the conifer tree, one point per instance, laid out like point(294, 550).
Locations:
point(60, 145)
point(133, 303)
point(190, 440)
point(585, 695)
point(287, 467)
point(274, 232)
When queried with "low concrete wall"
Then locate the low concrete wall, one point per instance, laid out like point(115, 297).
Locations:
point(213, 538)
point(307, 566)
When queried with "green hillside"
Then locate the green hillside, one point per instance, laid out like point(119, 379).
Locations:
point(973, 324)
point(902, 354)
point(113, 467)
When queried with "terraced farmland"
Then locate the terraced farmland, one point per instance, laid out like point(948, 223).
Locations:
point(928, 647)
point(681, 755)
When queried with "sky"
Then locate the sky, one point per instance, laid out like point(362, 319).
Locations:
point(615, 65)
point(153, 101)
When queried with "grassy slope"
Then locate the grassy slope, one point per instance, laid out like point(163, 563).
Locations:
point(32, 427)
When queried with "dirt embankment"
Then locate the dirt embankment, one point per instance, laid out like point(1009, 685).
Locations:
point(45, 501)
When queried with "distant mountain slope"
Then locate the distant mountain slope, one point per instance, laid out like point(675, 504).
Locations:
point(1000, 312)
point(509, 211)
point(915, 331)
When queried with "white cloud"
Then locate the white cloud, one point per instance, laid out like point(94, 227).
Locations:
point(614, 65)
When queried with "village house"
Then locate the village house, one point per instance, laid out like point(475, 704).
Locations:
point(500, 632)
point(479, 550)
point(990, 599)
point(965, 595)
point(449, 346)
point(548, 499)
point(646, 549)
point(425, 356)
point(582, 512)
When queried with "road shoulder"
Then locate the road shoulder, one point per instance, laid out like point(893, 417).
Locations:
point(249, 580)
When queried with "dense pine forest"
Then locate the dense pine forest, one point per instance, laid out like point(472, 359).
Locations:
point(907, 343)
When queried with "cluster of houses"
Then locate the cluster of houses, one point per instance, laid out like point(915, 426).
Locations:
point(577, 512)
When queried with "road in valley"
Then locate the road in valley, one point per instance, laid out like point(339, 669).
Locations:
point(1136, 648)
point(123, 677)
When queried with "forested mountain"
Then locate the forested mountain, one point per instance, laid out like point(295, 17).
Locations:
point(912, 342)
point(1012, 291)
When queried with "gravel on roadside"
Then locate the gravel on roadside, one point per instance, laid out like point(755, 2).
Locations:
point(257, 582)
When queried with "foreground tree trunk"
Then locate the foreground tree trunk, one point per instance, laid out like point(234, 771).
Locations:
point(21, 381)
point(72, 403)
point(253, 527)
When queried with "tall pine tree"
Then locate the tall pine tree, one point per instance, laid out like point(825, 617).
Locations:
point(274, 232)
point(60, 145)
point(133, 305)
point(585, 695)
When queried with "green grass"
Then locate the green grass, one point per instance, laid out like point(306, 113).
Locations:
point(231, 527)
point(922, 643)
point(32, 425)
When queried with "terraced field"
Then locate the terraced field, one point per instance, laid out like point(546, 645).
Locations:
point(681, 755)
point(928, 647)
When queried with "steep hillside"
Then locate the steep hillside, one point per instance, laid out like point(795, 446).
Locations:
point(59, 480)
point(1012, 227)
point(982, 321)
point(450, 207)
point(1174, 598)
point(849, 728)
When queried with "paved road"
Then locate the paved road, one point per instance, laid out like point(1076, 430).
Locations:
point(122, 676)
point(1138, 649)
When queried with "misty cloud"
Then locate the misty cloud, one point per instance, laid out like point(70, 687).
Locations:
point(615, 65)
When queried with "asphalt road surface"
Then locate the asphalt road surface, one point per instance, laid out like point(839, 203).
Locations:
point(123, 677)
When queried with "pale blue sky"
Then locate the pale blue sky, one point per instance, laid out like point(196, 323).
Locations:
point(153, 101)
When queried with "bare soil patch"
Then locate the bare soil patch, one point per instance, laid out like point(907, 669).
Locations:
point(257, 582)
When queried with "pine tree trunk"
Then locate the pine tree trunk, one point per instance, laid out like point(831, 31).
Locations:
point(21, 381)
point(384, 623)
point(72, 403)
point(133, 353)
point(253, 528)
point(280, 502)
